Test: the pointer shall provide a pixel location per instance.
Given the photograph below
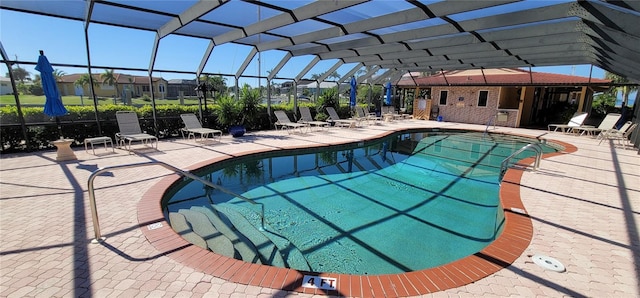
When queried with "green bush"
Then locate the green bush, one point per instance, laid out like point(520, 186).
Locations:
point(80, 123)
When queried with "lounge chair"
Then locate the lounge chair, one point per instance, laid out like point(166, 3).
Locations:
point(607, 123)
point(388, 113)
point(285, 123)
point(306, 118)
point(130, 131)
point(192, 127)
point(621, 135)
point(362, 114)
point(575, 122)
point(333, 116)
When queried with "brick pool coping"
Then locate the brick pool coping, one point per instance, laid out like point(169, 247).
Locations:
point(515, 238)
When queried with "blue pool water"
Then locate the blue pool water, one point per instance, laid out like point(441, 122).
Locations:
point(407, 202)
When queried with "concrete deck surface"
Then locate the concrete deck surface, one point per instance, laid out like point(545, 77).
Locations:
point(585, 209)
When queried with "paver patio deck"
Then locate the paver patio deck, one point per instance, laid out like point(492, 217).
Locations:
point(584, 207)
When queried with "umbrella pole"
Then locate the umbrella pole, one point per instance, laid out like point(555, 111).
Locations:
point(59, 127)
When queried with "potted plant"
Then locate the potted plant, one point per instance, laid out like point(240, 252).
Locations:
point(237, 115)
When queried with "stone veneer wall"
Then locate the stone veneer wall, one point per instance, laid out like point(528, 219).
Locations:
point(467, 110)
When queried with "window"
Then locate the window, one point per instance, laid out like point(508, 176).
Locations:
point(443, 97)
point(482, 98)
point(161, 88)
point(145, 88)
point(104, 86)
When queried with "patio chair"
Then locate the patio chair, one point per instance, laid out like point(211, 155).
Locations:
point(363, 114)
point(192, 127)
point(607, 123)
point(621, 135)
point(306, 118)
point(575, 121)
point(130, 131)
point(333, 116)
point(285, 123)
point(360, 115)
point(388, 113)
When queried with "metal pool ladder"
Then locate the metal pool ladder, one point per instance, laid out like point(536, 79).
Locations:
point(535, 146)
point(92, 197)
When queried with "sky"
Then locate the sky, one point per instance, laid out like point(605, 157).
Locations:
point(63, 43)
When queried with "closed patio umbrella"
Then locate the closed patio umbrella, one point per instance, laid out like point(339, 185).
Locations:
point(53, 105)
point(352, 95)
point(388, 99)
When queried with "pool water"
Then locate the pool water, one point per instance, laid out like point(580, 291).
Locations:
point(407, 202)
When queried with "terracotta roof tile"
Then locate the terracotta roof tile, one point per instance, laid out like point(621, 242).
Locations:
point(498, 77)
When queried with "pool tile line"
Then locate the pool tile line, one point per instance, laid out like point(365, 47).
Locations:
point(515, 238)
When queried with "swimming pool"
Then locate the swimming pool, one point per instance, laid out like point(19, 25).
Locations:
point(407, 202)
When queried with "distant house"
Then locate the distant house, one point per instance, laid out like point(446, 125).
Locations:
point(313, 87)
point(127, 85)
point(5, 86)
point(188, 88)
point(287, 86)
point(505, 96)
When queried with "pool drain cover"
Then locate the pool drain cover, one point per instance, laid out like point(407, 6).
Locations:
point(548, 263)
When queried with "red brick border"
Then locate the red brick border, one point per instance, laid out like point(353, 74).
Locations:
point(515, 238)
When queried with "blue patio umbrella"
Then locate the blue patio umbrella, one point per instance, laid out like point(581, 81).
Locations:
point(388, 99)
point(352, 95)
point(53, 105)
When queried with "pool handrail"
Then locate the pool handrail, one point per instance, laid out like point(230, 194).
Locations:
point(92, 197)
point(535, 146)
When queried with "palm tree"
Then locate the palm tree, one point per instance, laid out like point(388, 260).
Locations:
point(58, 74)
point(626, 89)
point(83, 81)
point(109, 78)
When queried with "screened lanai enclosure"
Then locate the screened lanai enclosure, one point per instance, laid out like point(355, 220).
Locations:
point(376, 41)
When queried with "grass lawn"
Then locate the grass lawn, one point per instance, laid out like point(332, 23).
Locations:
point(32, 100)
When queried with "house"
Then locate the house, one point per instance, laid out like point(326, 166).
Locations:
point(312, 88)
point(504, 96)
point(126, 86)
point(5, 86)
point(187, 87)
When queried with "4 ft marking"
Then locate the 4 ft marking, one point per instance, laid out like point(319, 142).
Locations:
point(317, 282)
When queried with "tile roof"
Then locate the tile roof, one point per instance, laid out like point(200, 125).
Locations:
point(120, 77)
point(502, 76)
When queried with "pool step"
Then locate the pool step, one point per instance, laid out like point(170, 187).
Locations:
point(215, 239)
point(268, 251)
point(247, 251)
point(181, 226)
point(291, 255)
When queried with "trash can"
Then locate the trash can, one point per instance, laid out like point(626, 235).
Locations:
point(439, 118)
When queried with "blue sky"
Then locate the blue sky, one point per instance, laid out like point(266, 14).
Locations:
point(63, 42)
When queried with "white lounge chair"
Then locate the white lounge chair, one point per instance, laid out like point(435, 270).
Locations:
point(192, 127)
point(130, 131)
point(333, 116)
point(607, 123)
point(306, 118)
point(575, 122)
point(621, 135)
point(285, 123)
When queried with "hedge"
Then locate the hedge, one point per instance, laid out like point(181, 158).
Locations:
point(80, 123)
